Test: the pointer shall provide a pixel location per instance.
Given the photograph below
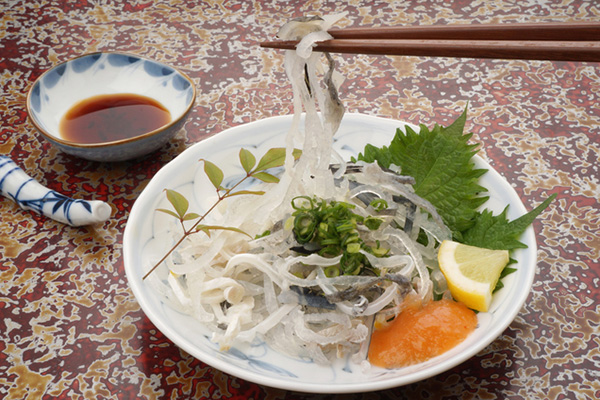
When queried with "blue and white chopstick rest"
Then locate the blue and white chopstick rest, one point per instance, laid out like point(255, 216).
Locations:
point(31, 195)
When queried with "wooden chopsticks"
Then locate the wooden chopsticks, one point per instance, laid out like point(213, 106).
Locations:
point(562, 31)
point(533, 41)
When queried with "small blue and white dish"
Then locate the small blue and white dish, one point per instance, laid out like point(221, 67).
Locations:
point(109, 73)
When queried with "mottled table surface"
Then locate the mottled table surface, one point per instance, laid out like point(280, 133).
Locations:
point(70, 326)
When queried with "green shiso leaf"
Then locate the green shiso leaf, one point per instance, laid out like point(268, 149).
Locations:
point(440, 162)
point(497, 232)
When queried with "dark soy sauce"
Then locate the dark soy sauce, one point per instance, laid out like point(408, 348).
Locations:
point(111, 117)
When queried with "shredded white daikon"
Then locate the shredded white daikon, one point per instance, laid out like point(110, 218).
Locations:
point(264, 289)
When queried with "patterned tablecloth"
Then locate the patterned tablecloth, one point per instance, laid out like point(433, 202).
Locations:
point(71, 328)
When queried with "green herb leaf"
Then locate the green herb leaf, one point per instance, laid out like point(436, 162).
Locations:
point(274, 157)
point(168, 212)
point(178, 201)
point(247, 160)
point(207, 228)
point(266, 177)
point(241, 192)
point(440, 162)
point(506, 271)
point(214, 173)
point(496, 232)
point(190, 216)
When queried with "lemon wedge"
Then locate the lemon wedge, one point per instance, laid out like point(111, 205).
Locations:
point(471, 272)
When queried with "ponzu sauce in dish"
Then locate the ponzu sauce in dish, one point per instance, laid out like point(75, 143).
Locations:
point(112, 117)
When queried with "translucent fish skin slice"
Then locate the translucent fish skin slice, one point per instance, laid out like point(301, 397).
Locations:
point(29, 194)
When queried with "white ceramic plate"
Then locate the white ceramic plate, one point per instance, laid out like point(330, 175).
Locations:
point(260, 364)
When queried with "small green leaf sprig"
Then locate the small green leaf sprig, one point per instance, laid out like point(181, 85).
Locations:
point(273, 158)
